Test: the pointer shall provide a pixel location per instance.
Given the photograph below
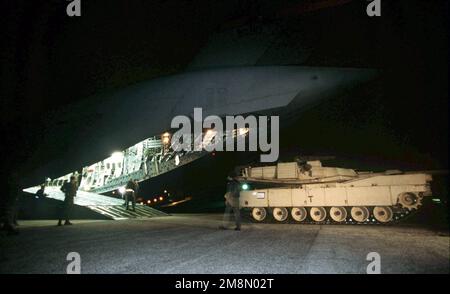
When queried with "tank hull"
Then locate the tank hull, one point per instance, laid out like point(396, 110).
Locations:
point(360, 198)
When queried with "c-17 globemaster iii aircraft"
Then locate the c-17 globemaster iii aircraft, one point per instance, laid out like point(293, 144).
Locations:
point(254, 69)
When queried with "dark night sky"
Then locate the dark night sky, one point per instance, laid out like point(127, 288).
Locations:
point(49, 60)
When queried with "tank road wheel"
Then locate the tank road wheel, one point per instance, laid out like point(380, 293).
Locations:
point(383, 214)
point(299, 213)
point(318, 214)
point(280, 214)
point(259, 214)
point(338, 214)
point(410, 200)
point(360, 213)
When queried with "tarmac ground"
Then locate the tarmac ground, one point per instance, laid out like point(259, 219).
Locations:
point(192, 243)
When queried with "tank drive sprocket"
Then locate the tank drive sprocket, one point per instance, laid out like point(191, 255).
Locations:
point(410, 200)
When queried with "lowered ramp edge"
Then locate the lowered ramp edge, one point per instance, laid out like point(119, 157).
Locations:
point(107, 207)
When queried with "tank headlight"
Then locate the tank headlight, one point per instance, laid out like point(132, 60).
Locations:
point(245, 186)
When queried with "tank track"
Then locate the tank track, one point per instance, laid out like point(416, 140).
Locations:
point(400, 214)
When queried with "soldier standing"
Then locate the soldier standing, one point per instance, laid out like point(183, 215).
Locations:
point(232, 204)
point(131, 190)
point(8, 209)
point(70, 192)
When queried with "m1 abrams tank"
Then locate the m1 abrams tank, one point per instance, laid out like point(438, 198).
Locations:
point(308, 192)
